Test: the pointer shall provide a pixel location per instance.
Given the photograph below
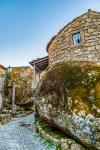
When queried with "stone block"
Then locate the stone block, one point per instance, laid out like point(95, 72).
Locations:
point(77, 147)
point(64, 146)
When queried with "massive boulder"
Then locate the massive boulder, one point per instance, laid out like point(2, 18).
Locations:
point(69, 98)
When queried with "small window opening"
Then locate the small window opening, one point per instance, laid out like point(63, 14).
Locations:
point(76, 38)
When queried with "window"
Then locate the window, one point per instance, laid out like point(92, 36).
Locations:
point(76, 38)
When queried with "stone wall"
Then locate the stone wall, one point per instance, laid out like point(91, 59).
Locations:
point(2, 78)
point(61, 47)
point(4, 118)
point(39, 75)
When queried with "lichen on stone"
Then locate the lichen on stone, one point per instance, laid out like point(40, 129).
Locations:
point(73, 86)
point(72, 99)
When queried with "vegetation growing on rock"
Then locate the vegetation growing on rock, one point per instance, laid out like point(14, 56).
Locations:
point(73, 86)
point(22, 76)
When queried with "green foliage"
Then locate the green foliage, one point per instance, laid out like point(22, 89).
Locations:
point(45, 127)
point(58, 137)
point(42, 123)
point(49, 143)
point(55, 133)
point(48, 131)
point(58, 147)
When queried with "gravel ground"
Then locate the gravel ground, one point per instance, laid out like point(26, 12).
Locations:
point(20, 134)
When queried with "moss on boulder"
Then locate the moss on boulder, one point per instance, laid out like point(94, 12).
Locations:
point(74, 85)
point(70, 98)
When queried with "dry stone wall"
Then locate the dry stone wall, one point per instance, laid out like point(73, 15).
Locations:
point(61, 47)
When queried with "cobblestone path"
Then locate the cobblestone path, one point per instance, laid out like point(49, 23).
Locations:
point(15, 136)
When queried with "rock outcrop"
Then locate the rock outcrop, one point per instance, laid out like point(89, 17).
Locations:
point(4, 118)
point(69, 98)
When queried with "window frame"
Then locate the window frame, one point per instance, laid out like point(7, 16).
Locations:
point(75, 35)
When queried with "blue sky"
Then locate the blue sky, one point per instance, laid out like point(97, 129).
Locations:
point(26, 26)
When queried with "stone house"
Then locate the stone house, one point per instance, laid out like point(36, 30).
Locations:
point(39, 69)
point(79, 40)
point(2, 76)
point(67, 98)
point(2, 70)
point(62, 92)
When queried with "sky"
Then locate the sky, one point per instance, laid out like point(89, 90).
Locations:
point(26, 26)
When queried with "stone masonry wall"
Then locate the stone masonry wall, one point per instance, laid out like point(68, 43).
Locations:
point(61, 47)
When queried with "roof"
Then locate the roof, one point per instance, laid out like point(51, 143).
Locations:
point(1, 66)
point(52, 39)
point(21, 67)
point(40, 63)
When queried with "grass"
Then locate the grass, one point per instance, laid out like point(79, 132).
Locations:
point(57, 137)
point(45, 127)
point(52, 131)
point(42, 123)
point(48, 131)
point(49, 143)
point(58, 147)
